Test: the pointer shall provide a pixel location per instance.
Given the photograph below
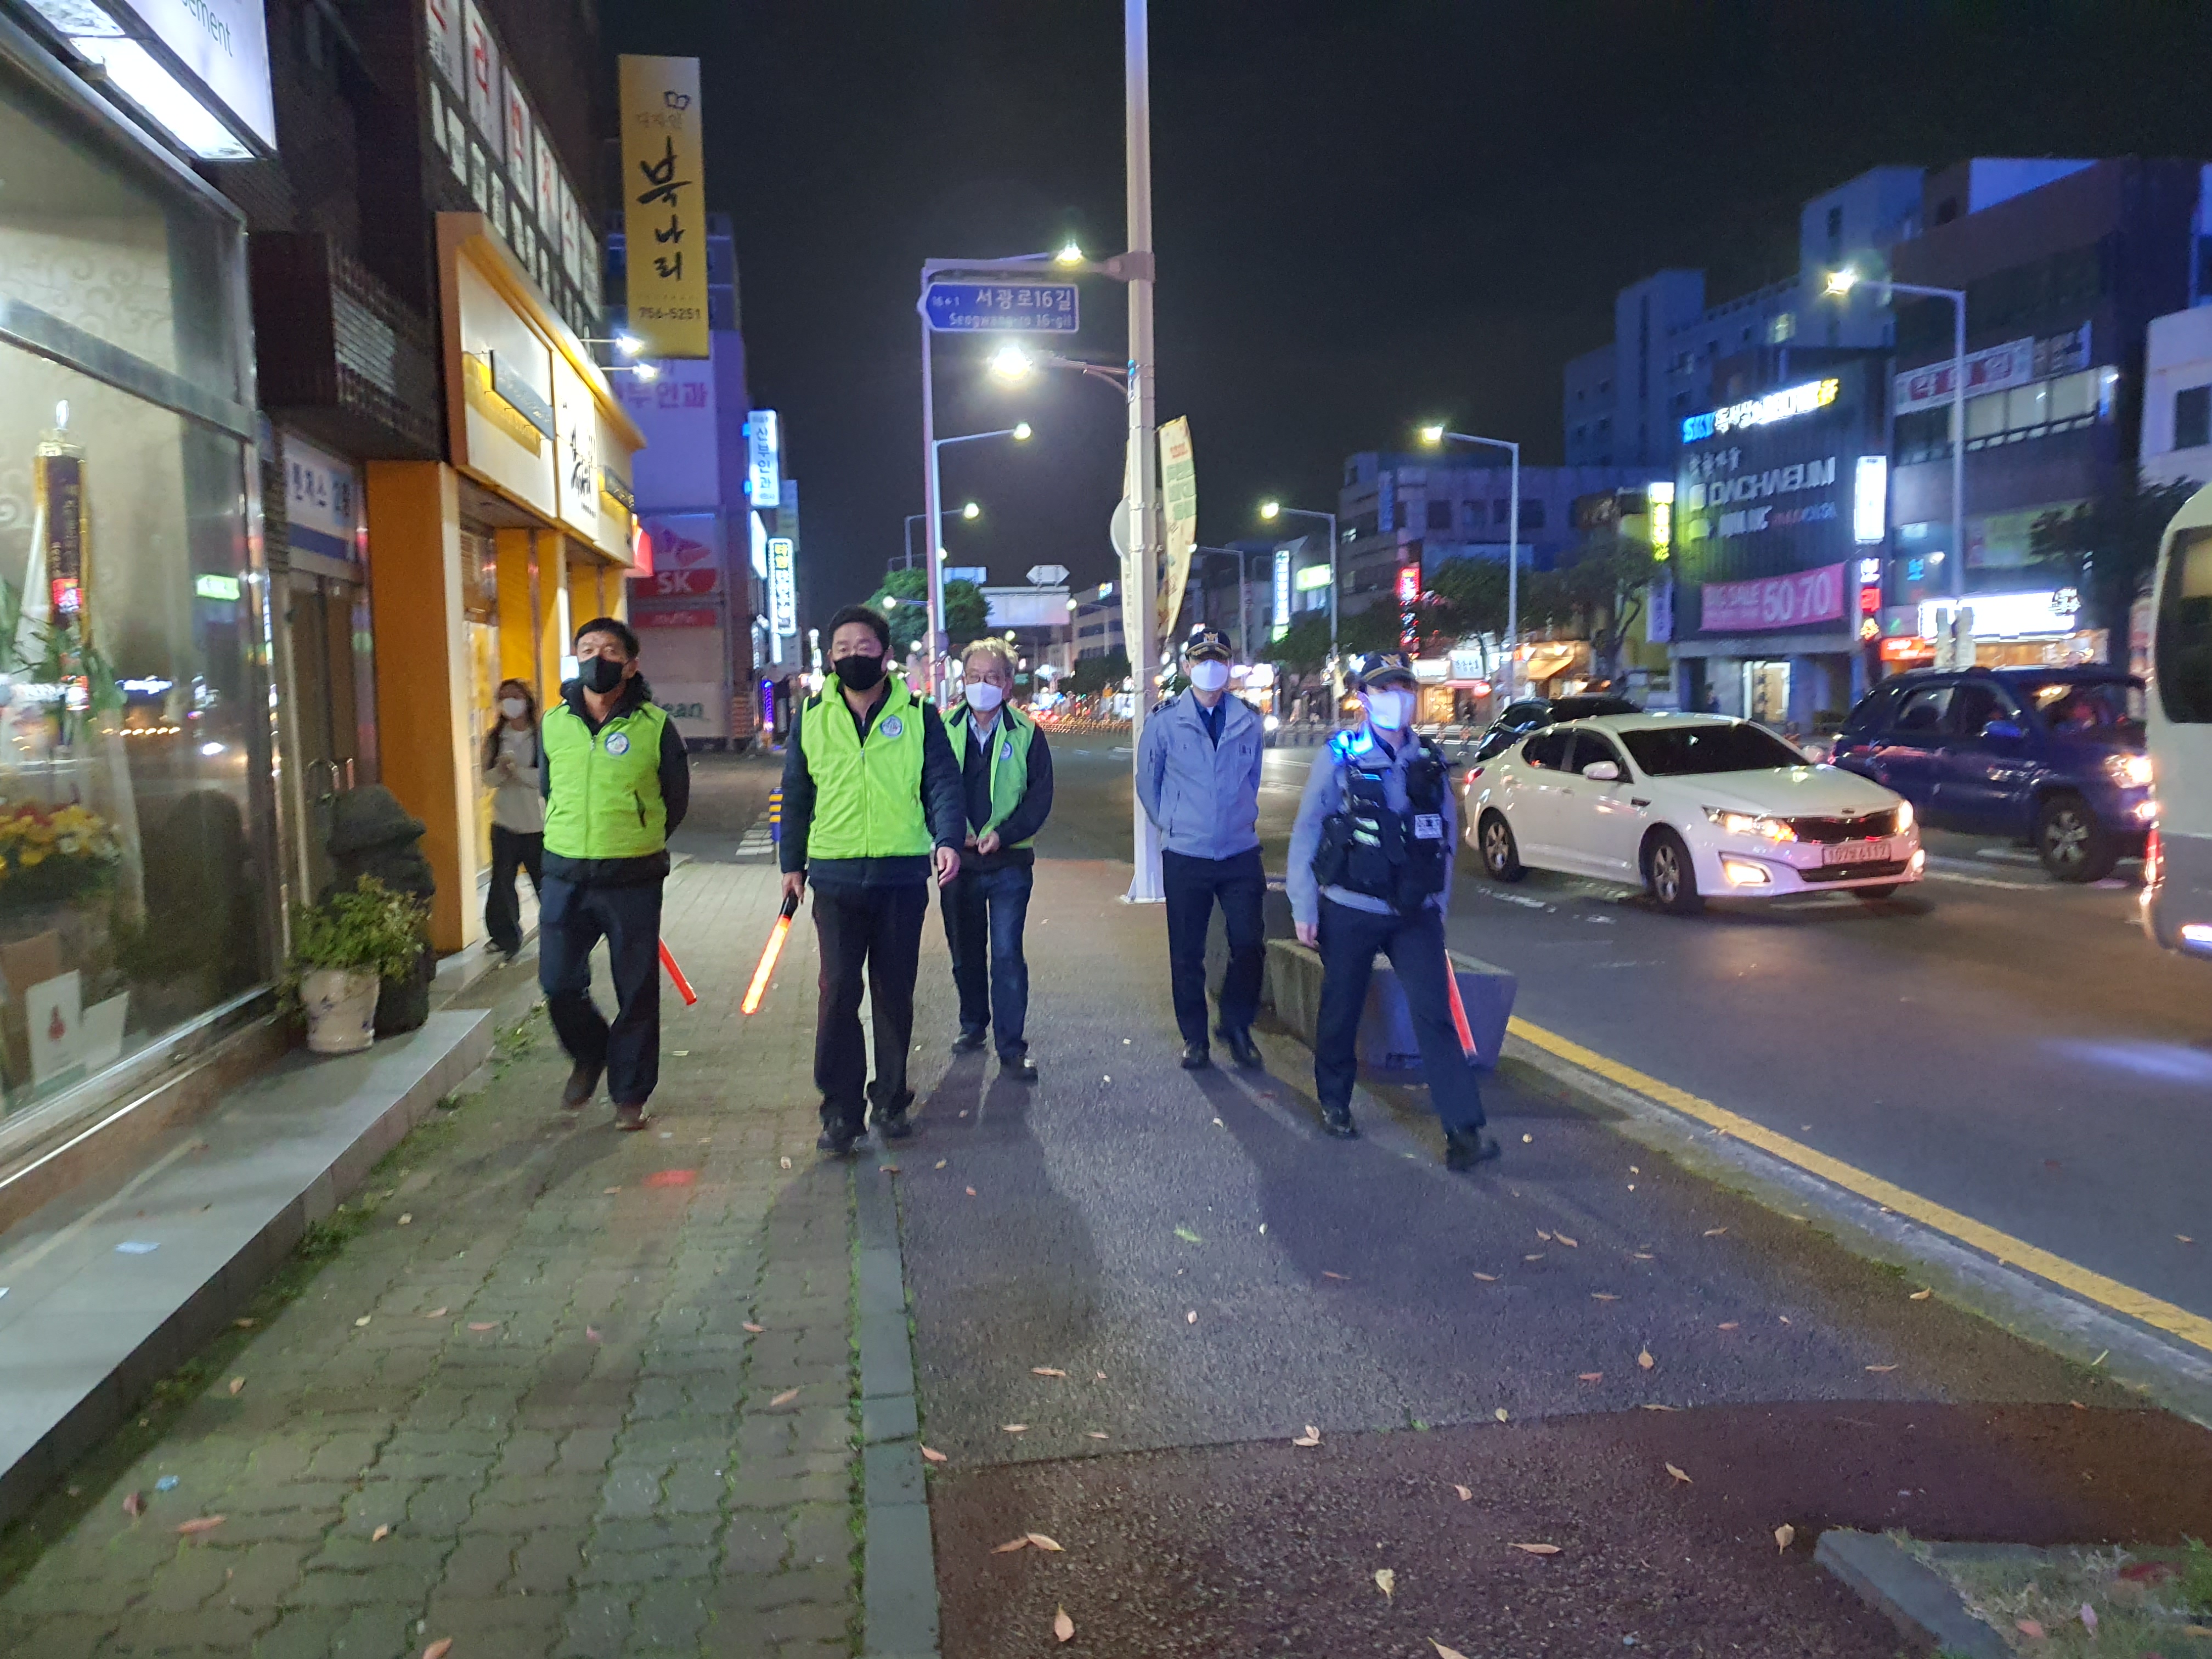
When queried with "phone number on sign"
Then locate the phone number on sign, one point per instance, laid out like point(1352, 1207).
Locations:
point(1808, 596)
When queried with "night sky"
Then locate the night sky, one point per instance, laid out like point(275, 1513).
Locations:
point(1368, 212)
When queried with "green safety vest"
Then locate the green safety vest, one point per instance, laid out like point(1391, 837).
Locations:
point(605, 801)
point(1009, 759)
point(867, 797)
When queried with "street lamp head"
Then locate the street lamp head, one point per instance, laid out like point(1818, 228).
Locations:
point(1011, 364)
point(628, 344)
point(1069, 254)
point(1843, 281)
point(1433, 434)
point(645, 371)
point(1271, 509)
point(971, 511)
point(1022, 432)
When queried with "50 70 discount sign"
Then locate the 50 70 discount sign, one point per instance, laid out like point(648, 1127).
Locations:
point(1791, 601)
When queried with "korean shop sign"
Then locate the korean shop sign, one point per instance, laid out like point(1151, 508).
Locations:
point(663, 205)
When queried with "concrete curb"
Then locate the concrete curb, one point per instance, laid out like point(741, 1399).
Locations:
point(1913, 1597)
point(2174, 1377)
point(899, 1560)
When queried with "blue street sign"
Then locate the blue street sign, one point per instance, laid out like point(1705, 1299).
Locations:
point(1001, 308)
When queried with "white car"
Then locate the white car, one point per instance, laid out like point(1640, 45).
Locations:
point(1690, 806)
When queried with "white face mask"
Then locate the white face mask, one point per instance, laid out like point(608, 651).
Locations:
point(1208, 675)
point(513, 707)
point(1389, 710)
point(983, 696)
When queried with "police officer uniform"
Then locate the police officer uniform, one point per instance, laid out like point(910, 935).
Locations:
point(1371, 867)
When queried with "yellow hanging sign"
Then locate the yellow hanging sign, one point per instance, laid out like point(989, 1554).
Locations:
point(663, 205)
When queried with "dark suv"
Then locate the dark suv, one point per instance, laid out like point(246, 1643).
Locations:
point(2053, 756)
point(1517, 719)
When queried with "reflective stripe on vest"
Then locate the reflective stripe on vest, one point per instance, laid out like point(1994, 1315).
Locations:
point(867, 797)
point(1009, 759)
point(605, 801)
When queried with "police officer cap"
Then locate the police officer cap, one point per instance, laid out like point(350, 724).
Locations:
point(1381, 668)
point(1205, 640)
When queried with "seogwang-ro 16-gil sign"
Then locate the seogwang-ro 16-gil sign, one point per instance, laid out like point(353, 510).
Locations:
point(663, 205)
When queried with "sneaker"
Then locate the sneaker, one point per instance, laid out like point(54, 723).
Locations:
point(837, 1140)
point(1465, 1148)
point(631, 1117)
point(1336, 1120)
point(1020, 1067)
point(583, 1083)
point(968, 1043)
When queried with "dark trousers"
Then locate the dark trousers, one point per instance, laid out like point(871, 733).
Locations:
point(511, 850)
point(984, 912)
point(1415, 945)
point(1192, 884)
point(876, 930)
point(571, 920)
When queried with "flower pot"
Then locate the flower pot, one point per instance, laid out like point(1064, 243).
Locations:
point(341, 1008)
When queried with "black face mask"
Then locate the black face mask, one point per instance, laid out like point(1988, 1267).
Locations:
point(600, 674)
point(857, 673)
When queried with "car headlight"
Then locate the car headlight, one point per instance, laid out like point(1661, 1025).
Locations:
point(1904, 817)
point(2128, 771)
point(1732, 823)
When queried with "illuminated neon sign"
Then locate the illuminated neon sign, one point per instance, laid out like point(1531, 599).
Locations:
point(1784, 405)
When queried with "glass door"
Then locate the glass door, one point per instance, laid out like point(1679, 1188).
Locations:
point(332, 710)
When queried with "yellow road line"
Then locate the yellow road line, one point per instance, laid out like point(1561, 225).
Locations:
point(2068, 1275)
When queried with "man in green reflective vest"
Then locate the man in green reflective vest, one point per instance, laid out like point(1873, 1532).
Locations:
point(616, 783)
point(871, 811)
point(1005, 771)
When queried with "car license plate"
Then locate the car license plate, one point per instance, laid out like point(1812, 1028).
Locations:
point(1855, 852)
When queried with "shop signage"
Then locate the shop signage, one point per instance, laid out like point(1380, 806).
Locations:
point(1432, 670)
point(521, 160)
point(1313, 577)
point(681, 464)
point(1784, 405)
point(676, 583)
point(322, 501)
point(1409, 605)
point(664, 206)
point(514, 388)
point(221, 44)
point(443, 20)
point(480, 70)
point(577, 459)
point(763, 459)
point(1659, 611)
point(691, 617)
point(1928, 386)
point(1791, 601)
point(782, 588)
point(1906, 647)
point(616, 488)
point(1466, 666)
point(1660, 493)
point(1281, 624)
point(1179, 509)
point(1000, 307)
point(1871, 500)
point(2049, 615)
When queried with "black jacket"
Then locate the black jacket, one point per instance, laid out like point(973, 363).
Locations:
point(675, 777)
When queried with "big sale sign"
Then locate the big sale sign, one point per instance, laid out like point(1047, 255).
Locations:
point(1791, 601)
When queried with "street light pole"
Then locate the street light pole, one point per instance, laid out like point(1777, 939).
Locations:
point(1140, 600)
point(1436, 434)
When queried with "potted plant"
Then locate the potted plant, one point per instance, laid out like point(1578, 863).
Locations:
point(342, 950)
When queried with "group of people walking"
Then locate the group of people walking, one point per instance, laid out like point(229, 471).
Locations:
point(885, 799)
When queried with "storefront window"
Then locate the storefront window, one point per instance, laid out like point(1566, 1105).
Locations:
point(135, 821)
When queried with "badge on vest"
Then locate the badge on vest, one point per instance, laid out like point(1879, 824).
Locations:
point(1428, 826)
point(618, 743)
point(892, 727)
point(1007, 749)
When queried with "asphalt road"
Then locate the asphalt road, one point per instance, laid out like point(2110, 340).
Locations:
point(2006, 1046)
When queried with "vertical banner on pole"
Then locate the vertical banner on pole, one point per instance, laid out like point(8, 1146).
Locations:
point(663, 205)
point(1179, 498)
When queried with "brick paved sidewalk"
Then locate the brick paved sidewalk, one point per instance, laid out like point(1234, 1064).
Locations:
point(599, 1388)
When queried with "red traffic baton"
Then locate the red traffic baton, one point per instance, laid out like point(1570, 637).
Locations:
point(1459, 1012)
point(683, 984)
point(774, 949)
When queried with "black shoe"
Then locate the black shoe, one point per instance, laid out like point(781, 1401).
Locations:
point(1465, 1148)
point(583, 1083)
point(1195, 1057)
point(837, 1140)
point(1020, 1067)
point(893, 1126)
point(1245, 1052)
point(1337, 1121)
point(968, 1042)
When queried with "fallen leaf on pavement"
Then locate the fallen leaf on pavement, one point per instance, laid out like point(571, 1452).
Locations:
point(2185, 1238)
point(1487, 1278)
point(1094, 1434)
point(1188, 1237)
point(406, 1220)
point(1045, 1543)
point(360, 1321)
point(1785, 1318)
point(1013, 1428)
point(1591, 1377)
point(435, 1313)
point(1645, 1361)
point(1881, 1368)
point(484, 1325)
point(439, 1649)
point(1538, 1256)
point(236, 1384)
point(605, 1191)
point(1466, 1493)
point(1191, 1318)
point(2077, 1405)
point(940, 1163)
point(1386, 1582)
point(1784, 1535)
point(1715, 1232)
point(1541, 1234)
point(930, 1453)
point(1731, 1325)
point(203, 1523)
point(755, 1329)
point(245, 1324)
point(1310, 1437)
point(1101, 1375)
point(971, 1192)
point(592, 1333)
point(887, 1169)
point(1063, 1627)
point(1045, 1370)
point(785, 1398)
point(1499, 1413)
point(134, 1504)
point(1563, 1239)
point(2088, 1618)
point(1650, 1407)
point(1011, 1545)
point(1536, 1549)
point(1443, 1652)
point(1325, 1273)
point(1603, 1296)
point(1641, 1256)
point(787, 1161)
point(2032, 1629)
point(1679, 1475)
point(383, 1532)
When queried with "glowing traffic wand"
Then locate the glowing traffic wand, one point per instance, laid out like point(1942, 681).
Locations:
point(1459, 1012)
point(758, 989)
point(683, 984)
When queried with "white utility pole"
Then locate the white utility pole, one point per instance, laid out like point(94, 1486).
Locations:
point(1141, 579)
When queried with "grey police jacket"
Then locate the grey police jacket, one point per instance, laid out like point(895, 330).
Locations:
point(1203, 797)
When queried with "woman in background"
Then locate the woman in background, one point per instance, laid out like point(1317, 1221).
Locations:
point(512, 760)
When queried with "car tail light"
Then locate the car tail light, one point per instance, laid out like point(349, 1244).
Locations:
point(2153, 859)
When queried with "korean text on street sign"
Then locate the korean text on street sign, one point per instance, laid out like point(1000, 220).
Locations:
point(663, 205)
point(782, 588)
point(764, 459)
point(1001, 308)
point(1179, 496)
